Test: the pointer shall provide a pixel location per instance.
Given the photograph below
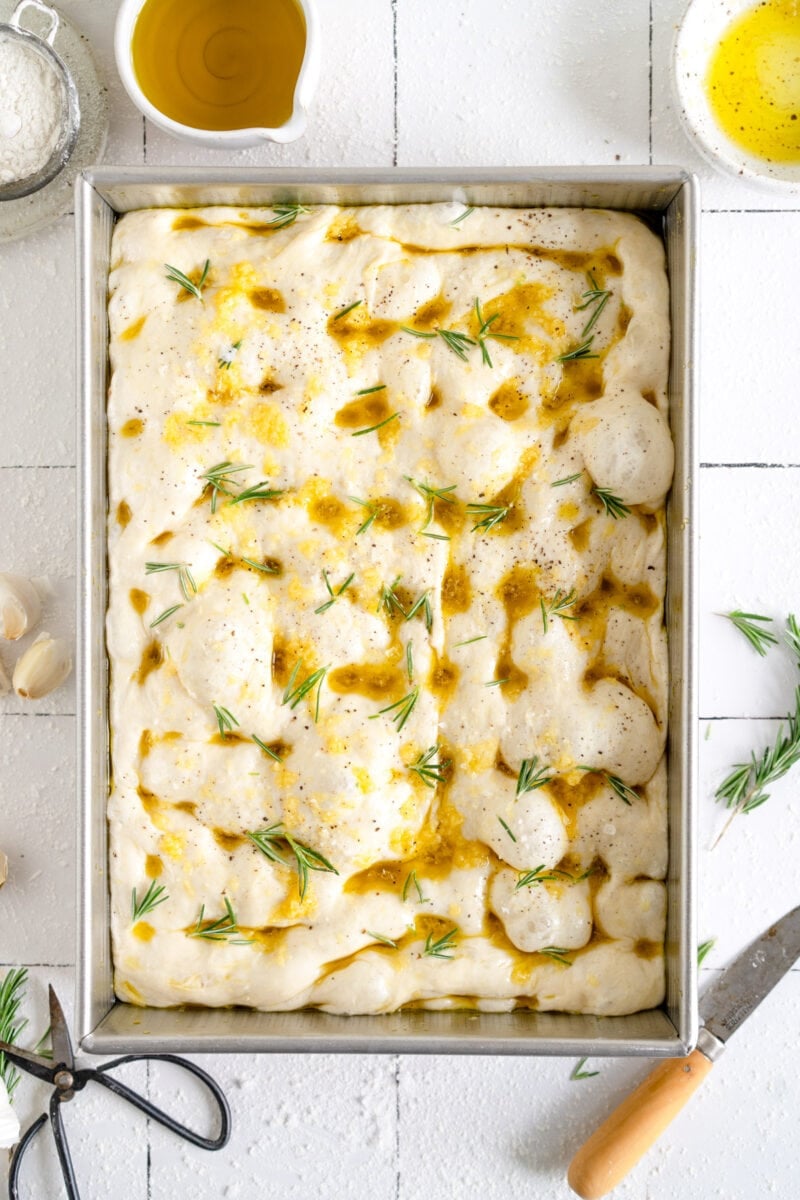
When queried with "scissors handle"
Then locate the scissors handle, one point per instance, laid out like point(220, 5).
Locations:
point(120, 1089)
point(64, 1156)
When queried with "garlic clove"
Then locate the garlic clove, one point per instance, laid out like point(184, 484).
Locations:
point(43, 667)
point(20, 606)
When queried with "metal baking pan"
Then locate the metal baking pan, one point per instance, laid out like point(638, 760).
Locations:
point(667, 198)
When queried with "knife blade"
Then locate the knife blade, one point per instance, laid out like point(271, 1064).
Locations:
point(632, 1128)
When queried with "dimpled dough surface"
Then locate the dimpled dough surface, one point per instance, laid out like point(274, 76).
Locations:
point(263, 373)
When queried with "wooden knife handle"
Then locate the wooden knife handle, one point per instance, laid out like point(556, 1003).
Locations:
point(632, 1128)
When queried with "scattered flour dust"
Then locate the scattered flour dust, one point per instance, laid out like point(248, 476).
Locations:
point(31, 107)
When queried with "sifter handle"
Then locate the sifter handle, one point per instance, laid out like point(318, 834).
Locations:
point(632, 1128)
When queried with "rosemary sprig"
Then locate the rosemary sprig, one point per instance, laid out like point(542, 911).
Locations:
point(258, 491)
point(224, 361)
point(286, 214)
point(372, 513)
point(381, 937)
point(215, 424)
point(344, 311)
point(392, 417)
point(485, 332)
point(219, 479)
point(402, 709)
point(584, 350)
point(305, 858)
point(389, 600)
point(557, 607)
point(455, 341)
point(168, 612)
point(625, 793)
point(558, 954)
point(429, 770)
point(422, 604)
point(704, 949)
point(497, 682)
point(462, 216)
point(507, 829)
point(260, 566)
point(379, 387)
point(760, 639)
point(440, 947)
point(194, 289)
point(410, 661)
point(334, 595)
point(294, 693)
point(431, 495)
point(567, 479)
point(538, 875)
point(412, 878)
point(12, 993)
point(156, 894)
point(613, 506)
point(532, 776)
point(480, 638)
point(266, 749)
point(744, 788)
point(579, 1073)
point(225, 720)
point(596, 296)
point(491, 515)
point(221, 930)
point(185, 577)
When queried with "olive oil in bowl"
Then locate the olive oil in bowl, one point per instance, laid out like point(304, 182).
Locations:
point(220, 64)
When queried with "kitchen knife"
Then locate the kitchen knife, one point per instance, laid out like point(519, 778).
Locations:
point(615, 1148)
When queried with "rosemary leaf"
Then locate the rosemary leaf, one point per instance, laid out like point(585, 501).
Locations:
point(429, 770)
point(579, 1073)
point(508, 831)
point(392, 417)
point(379, 387)
point(274, 839)
point(613, 506)
point(266, 749)
point(584, 350)
point(491, 515)
point(462, 216)
point(558, 955)
point(422, 604)
point(381, 937)
point(557, 607)
point(596, 296)
point(258, 491)
point(194, 289)
point(625, 793)
point(440, 947)
point(480, 638)
point(286, 214)
point(215, 424)
point(334, 595)
point(168, 612)
point(402, 709)
point(225, 720)
point(156, 894)
point(372, 513)
point(344, 311)
point(567, 479)
point(532, 776)
point(224, 929)
point(411, 878)
point(294, 693)
point(760, 639)
point(539, 875)
point(410, 661)
point(704, 949)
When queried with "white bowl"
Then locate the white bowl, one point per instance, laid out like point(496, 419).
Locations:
point(698, 35)
point(221, 139)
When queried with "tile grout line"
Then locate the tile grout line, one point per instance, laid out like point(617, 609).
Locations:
point(394, 57)
point(144, 139)
point(149, 1176)
point(397, 1124)
point(650, 94)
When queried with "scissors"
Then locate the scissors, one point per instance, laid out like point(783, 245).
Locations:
point(61, 1072)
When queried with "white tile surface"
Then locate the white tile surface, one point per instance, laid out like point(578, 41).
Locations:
point(478, 81)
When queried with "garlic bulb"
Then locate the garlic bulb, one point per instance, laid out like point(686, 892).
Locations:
point(43, 667)
point(9, 1121)
point(20, 606)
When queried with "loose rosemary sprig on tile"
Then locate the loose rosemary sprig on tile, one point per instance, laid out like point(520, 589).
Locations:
point(185, 578)
point(462, 216)
point(225, 720)
point(411, 878)
point(532, 776)
point(265, 748)
point(220, 479)
point(168, 612)
point(274, 836)
point(334, 595)
point(286, 214)
point(613, 506)
point(344, 311)
point(372, 513)
point(194, 289)
point(491, 515)
point(429, 770)
point(625, 793)
point(760, 639)
point(225, 360)
point(156, 894)
point(455, 341)
point(402, 709)
point(744, 789)
point(12, 993)
point(704, 949)
point(439, 948)
point(558, 954)
point(539, 875)
point(596, 296)
point(579, 1073)
point(294, 692)
point(566, 479)
point(395, 416)
point(223, 929)
point(485, 332)
point(388, 599)
point(582, 351)
point(422, 604)
point(557, 607)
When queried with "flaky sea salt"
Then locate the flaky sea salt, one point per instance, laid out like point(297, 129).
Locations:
point(31, 110)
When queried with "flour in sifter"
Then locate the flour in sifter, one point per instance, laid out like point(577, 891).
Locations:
point(31, 110)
